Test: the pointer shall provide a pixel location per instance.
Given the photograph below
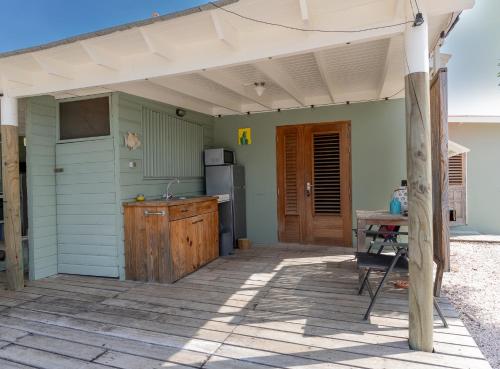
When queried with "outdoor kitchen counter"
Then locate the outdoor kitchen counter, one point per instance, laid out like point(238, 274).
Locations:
point(168, 239)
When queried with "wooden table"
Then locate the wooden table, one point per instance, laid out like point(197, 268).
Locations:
point(366, 218)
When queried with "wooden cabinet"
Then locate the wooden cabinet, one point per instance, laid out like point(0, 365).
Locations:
point(166, 240)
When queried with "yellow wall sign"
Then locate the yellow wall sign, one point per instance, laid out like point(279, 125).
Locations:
point(244, 136)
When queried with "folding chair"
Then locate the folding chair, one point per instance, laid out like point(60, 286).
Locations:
point(385, 263)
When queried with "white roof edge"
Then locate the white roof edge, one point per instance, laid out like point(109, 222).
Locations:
point(474, 119)
point(456, 149)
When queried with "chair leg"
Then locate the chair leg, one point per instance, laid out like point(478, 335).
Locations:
point(374, 298)
point(363, 282)
point(440, 313)
point(369, 288)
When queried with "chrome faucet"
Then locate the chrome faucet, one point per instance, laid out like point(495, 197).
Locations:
point(168, 195)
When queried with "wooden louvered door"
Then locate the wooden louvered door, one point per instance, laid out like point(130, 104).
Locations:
point(457, 193)
point(314, 183)
point(290, 165)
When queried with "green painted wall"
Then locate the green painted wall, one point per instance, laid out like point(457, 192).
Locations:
point(86, 205)
point(378, 156)
point(131, 180)
point(87, 236)
point(41, 154)
point(483, 174)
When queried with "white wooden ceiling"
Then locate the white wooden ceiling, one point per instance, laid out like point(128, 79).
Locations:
point(208, 61)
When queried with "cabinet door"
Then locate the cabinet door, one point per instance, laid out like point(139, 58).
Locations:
point(156, 243)
point(146, 231)
point(184, 249)
point(209, 238)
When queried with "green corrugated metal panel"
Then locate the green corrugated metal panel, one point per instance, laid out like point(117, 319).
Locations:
point(41, 138)
point(85, 201)
point(132, 180)
point(172, 147)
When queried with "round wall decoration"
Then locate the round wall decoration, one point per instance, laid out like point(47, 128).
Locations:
point(132, 141)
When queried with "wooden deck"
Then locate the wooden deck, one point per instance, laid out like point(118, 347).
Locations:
point(278, 306)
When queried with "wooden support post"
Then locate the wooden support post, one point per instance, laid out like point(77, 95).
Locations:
point(439, 136)
point(11, 199)
point(418, 141)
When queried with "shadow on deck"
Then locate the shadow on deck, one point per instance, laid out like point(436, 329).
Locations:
point(280, 306)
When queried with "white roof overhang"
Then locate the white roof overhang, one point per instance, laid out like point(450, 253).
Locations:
point(494, 119)
point(207, 60)
point(456, 149)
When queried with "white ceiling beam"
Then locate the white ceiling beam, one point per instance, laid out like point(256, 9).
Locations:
point(226, 81)
point(391, 76)
point(157, 92)
point(55, 67)
point(304, 11)
point(282, 79)
point(157, 47)
point(198, 91)
point(101, 57)
point(323, 70)
point(225, 31)
point(10, 73)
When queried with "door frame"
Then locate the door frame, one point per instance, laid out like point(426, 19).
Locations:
point(348, 175)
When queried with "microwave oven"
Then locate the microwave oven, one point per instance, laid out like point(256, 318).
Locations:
point(219, 157)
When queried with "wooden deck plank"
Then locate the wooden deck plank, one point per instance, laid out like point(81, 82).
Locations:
point(117, 331)
point(43, 359)
point(280, 307)
point(59, 346)
point(125, 345)
point(127, 361)
point(5, 364)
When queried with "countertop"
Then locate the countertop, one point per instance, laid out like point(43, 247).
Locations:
point(173, 202)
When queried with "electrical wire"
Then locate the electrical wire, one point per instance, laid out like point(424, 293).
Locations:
point(416, 3)
point(326, 104)
point(412, 9)
point(306, 29)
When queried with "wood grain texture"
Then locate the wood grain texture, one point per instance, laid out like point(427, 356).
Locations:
point(420, 220)
point(440, 196)
point(166, 240)
point(290, 182)
point(276, 306)
point(11, 208)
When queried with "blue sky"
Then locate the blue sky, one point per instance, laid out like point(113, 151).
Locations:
point(475, 47)
point(474, 43)
point(27, 23)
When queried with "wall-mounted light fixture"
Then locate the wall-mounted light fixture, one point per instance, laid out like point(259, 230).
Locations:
point(260, 87)
point(180, 112)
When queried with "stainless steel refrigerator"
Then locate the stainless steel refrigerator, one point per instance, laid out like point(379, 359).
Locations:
point(230, 179)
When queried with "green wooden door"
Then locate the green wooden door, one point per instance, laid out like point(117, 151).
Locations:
point(86, 206)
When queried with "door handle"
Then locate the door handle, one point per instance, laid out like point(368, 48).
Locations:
point(160, 213)
point(309, 187)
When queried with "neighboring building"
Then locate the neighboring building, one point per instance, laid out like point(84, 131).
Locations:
point(479, 175)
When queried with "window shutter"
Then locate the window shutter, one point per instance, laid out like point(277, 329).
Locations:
point(456, 175)
point(291, 193)
point(327, 183)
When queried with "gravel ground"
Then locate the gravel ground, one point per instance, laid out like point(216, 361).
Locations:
point(473, 286)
